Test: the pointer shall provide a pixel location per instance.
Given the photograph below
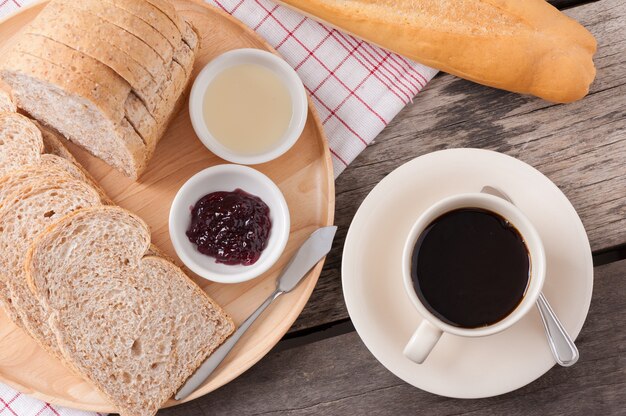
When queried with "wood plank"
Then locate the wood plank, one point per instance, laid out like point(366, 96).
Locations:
point(580, 146)
point(338, 376)
point(563, 4)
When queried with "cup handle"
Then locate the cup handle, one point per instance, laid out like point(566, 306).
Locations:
point(422, 342)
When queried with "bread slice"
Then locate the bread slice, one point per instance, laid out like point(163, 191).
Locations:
point(83, 67)
point(53, 145)
point(26, 212)
point(36, 66)
point(75, 110)
point(134, 325)
point(24, 141)
point(20, 142)
point(75, 62)
point(7, 105)
point(21, 162)
point(46, 166)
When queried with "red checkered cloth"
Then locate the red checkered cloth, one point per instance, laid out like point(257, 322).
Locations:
point(357, 89)
point(13, 403)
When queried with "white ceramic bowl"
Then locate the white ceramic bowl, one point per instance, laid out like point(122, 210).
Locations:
point(228, 178)
point(249, 56)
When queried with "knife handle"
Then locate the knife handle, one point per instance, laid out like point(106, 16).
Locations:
point(219, 354)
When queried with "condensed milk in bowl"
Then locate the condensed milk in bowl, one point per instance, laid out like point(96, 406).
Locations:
point(248, 106)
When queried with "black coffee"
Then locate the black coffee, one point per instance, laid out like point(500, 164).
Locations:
point(470, 268)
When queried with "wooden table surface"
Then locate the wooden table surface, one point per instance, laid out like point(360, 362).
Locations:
point(322, 367)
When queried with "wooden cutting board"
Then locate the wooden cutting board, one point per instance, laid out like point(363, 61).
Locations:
point(304, 175)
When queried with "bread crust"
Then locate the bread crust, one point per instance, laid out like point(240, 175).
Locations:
point(74, 61)
point(130, 23)
point(152, 16)
point(84, 22)
point(21, 142)
point(51, 23)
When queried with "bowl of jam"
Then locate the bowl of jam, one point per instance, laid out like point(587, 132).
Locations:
point(229, 223)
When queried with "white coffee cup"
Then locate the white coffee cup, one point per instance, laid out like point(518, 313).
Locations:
point(431, 328)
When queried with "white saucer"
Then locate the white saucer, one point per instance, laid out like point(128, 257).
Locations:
point(385, 318)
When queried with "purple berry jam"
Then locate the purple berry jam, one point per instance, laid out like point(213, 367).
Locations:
point(233, 227)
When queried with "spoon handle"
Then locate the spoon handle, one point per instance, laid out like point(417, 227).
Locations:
point(562, 346)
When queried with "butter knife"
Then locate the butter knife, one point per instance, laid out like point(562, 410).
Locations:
point(308, 255)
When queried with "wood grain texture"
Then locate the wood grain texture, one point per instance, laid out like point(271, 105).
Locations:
point(338, 376)
point(304, 174)
point(580, 146)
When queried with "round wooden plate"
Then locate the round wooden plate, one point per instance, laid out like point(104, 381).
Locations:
point(304, 175)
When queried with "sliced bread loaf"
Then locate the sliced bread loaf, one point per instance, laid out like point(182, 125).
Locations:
point(134, 325)
point(67, 60)
point(85, 69)
point(26, 212)
point(52, 23)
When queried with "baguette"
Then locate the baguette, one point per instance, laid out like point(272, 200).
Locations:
point(131, 323)
point(526, 46)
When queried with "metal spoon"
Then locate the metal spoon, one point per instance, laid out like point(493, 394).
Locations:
point(310, 253)
point(563, 348)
